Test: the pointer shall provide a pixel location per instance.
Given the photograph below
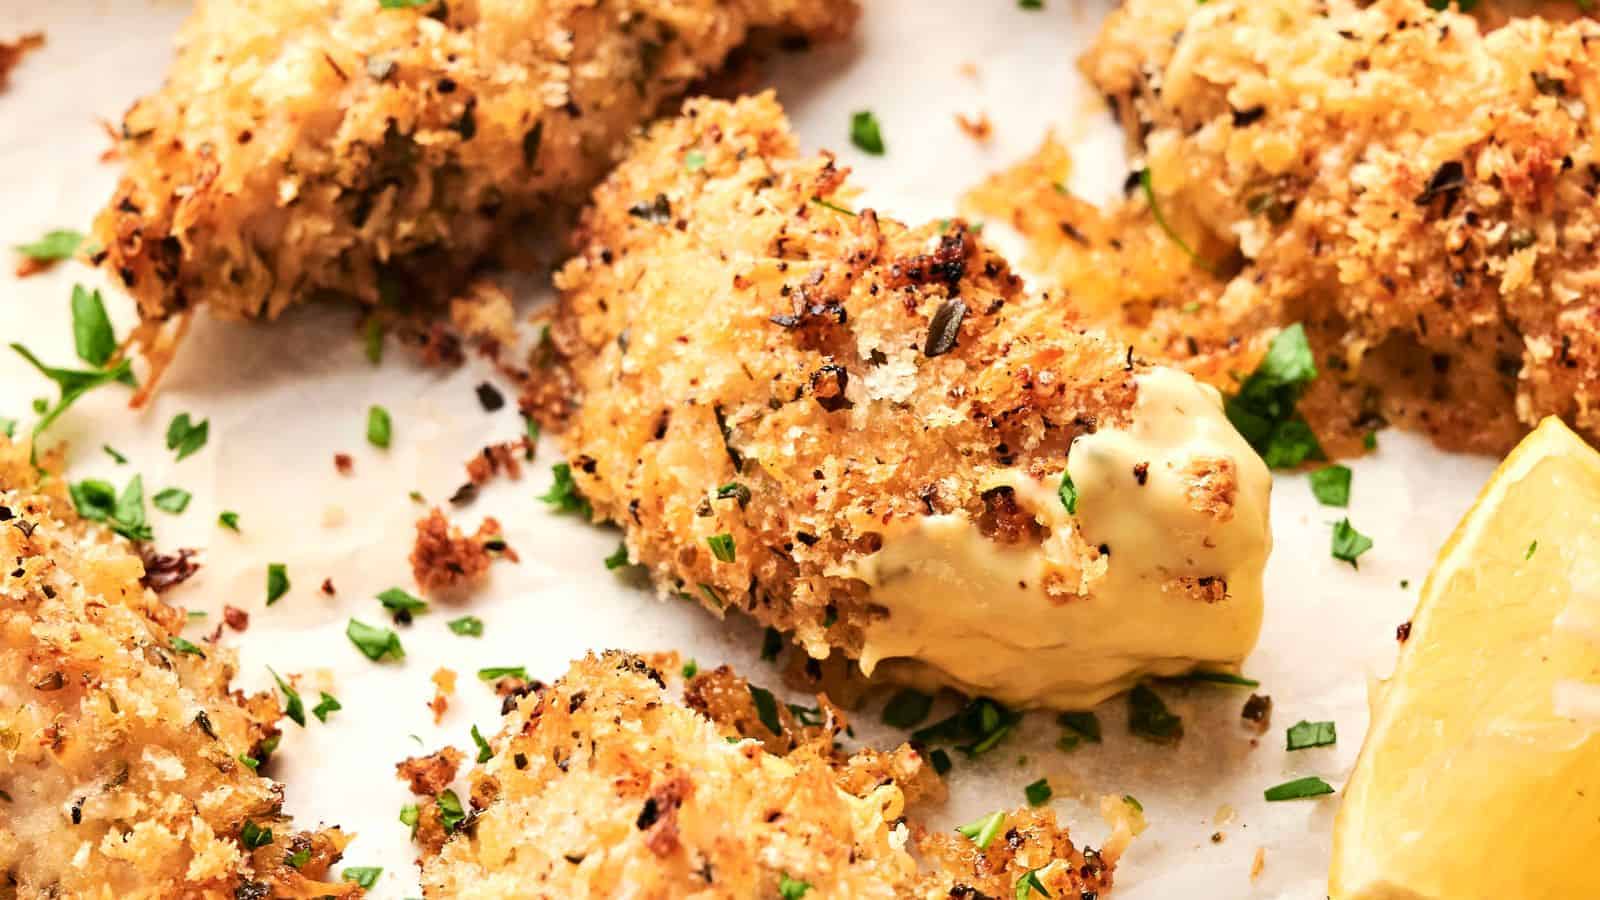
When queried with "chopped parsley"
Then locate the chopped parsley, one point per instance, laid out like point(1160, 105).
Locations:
point(184, 646)
point(1077, 728)
point(694, 161)
point(1030, 4)
point(372, 337)
point(484, 752)
point(1304, 734)
point(380, 427)
point(410, 815)
point(365, 876)
point(771, 643)
point(736, 491)
point(376, 644)
point(766, 709)
point(1133, 803)
point(618, 559)
point(72, 383)
point(865, 133)
point(293, 706)
point(1370, 440)
point(1038, 793)
point(1331, 485)
point(298, 858)
point(450, 812)
point(186, 437)
point(172, 500)
point(1229, 678)
point(228, 519)
point(722, 547)
point(8, 426)
point(254, 836)
point(1068, 493)
point(91, 327)
point(111, 451)
point(495, 673)
point(403, 4)
point(940, 760)
point(123, 513)
point(982, 831)
point(277, 582)
point(1029, 883)
point(1348, 543)
point(1531, 549)
point(907, 708)
point(792, 888)
point(55, 246)
point(1148, 187)
point(1264, 409)
point(1149, 718)
point(825, 204)
point(396, 600)
point(563, 496)
point(326, 704)
point(691, 669)
point(1298, 789)
point(974, 729)
point(467, 626)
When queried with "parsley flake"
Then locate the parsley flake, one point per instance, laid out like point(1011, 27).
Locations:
point(766, 709)
point(1038, 793)
point(467, 626)
point(1068, 493)
point(91, 327)
point(298, 858)
point(228, 519)
point(1348, 543)
point(184, 646)
point(1029, 883)
point(372, 339)
point(111, 451)
point(1331, 485)
point(484, 751)
point(396, 600)
point(1147, 185)
point(975, 728)
point(1305, 734)
point(293, 706)
point(376, 644)
point(172, 500)
point(982, 831)
point(563, 496)
point(55, 246)
point(72, 383)
point(365, 876)
point(1298, 789)
point(277, 582)
point(186, 437)
point(1149, 718)
point(691, 669)
point(694, 161)
point(495, 673)
point(327, 704)
point(1531, 549)
point(618, 559)
point(410, 815)
point(254, 836)
point(380, 427)
point(771, 643)
point(792, 888)
point(451, 814)
point(1228, 678)
point(1078, 727)
point(907, 708)
point(865, 133)
point(1264, 409)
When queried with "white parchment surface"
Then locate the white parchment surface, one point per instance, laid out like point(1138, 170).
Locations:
point(282, 400)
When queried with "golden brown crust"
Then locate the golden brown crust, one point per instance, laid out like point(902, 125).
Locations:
point(123, 751)
point(1419, 191)
point(301, 148)
point(603, 779)
point(741, 357)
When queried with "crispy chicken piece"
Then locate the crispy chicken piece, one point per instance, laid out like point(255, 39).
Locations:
point(858, 432)
point(604, 779)
point(1419, 191)
point(122, 750)
point(304, 148)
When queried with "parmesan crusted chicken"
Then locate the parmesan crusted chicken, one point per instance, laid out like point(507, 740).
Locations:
point(126, 764)
point(871, 436)
point(1417, 189)
point(307, 148)
point(604, 783)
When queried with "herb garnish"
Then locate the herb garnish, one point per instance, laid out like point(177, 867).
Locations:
point(618, 559)
point(484, 752)
point(397, 600)
point(298, 858)
point(771, 643)
point(1300, 788)
point(722, 547)
point(694, 161)
point(450, 812)
point(1220, 678)
point(1148, 187)
point(1028, 884)
point(792, 888)
point(495, 673)
point(365, 876)
point(1068, 493)
point(55, 246)
point(1532, 548)
point(72, 383)
point(907, 708)
point(379, 427)
point(372, 336)
point(1264, 409)
point(184, 646)
point(186, 437)
point(111, 451)
point(277, 582)
point(410, 815)
point(1348, 543)
point(172, 500)
point(326, 704)
point(1078, 727)
point(563, 496)
point(467, 626)
point(91, 327)
point(374, 643)
point(402, 4)
point(228, 519)
point(98, 501)
point(865, 133)
point(1149, 718)
point(254, 836)
point(975, 728)
point(1331, 485)
point(1038, 793)
point(1305, 734)
point(982, 831)
point(293, 706)
point(766, 709)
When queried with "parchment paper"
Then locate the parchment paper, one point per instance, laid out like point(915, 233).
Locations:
point(283, 400)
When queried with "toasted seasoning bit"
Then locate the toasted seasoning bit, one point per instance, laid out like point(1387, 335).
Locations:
point(738, 492)
point(977, 127)
point(1300, 788)
point(277, 582)
point(375, 644)
point(327, 704)
point(1331, 485)
point(983, 831)
point(444, 558)
point(489, 397)
point(327, 586)
point(944, 328)
point(379, 427)
point(235, 618)
point(1149, 718)
point(1038, 793)
point(907, 708)
point(467, 626)
point(163, 571)
point(657, 211)
point(1303, 735)
point(722, 547)
point(1402, 632)
point(293, 706)
point(428, 775)
point(344, 463)
point(1257, 712)
point(186, 437)
point(1348, 543)
point(828, 384)
point(865, 133)
point(444, 686)
point(228, 519)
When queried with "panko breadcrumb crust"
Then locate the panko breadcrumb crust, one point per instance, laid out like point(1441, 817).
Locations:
point(121, 755)
point(305, 148)
point(739, 353)
point(603, 783)
point(1417, 189)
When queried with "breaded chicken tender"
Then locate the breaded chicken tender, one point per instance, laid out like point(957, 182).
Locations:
point(1419, 191)
point(604, 783)
point(123, 753)
point(871, 436)
point(307, 148)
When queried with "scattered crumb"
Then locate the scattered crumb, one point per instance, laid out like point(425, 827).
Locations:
point(112, 153)
point(977, 127)
point(235, 618)
point(494, 458)
point(428, 775)
point(1217, 837)
point(1257, 713)
point(1259, 863)
point(343, 463)
point(1403, 633)
point(12, 52)
point(443, 558)
point(327, 586)
point(484, 314)
point(444, 685)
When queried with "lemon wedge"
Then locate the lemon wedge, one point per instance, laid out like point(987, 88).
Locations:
point(1480, 774)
